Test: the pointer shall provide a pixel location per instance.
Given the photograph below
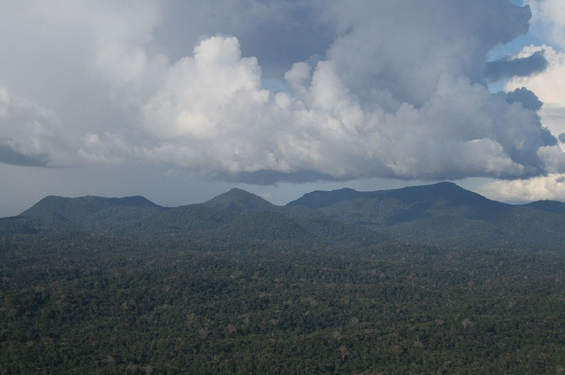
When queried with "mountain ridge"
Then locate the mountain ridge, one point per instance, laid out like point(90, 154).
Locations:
point(438, 214)
point(547, 205)
point(91, 211)
point(319, 198)
point(446, 214)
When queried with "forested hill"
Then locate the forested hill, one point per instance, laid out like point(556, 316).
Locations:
point(91, 211)
point(234, 216)
point(440, 214)
point(445, 214)
point(320, 199)
point(548, 205)
point(237, 285)
point(240, 201)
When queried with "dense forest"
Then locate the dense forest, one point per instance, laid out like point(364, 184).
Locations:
point(78, 297)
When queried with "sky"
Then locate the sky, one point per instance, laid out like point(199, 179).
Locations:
point(181, 100)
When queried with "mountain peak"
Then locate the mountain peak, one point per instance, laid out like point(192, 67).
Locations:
point(135, 200)
point(320, 199)
point(239, 200)
point(53, 203)
point(442, 190)
point(91, 210)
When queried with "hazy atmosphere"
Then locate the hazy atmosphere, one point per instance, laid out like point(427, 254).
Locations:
point(179, 101)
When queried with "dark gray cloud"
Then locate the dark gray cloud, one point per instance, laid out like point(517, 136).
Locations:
point(11, 157)
point(562, 137)
point(402, 48)
point(528, 98)
point(277, 32)
point(508, 67)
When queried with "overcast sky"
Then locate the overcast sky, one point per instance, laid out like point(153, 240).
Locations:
point(180, 100)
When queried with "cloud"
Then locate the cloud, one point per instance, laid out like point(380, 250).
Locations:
point(402, 48)
point(399, 93)
point(210, 113)
point(528, 98)
point(549, 19)
point(29, 134)
point(544, 187)
point(12, 157)
point(547, 87)
point(277, 32)
point(508, 67)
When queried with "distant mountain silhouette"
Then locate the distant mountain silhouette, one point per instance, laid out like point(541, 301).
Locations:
point(439, 214)
point(315, 223)
point(447, 214)
point(91, 211)
point(240, 201)
point(233, 216)
point(321, 199)
point(548, 205)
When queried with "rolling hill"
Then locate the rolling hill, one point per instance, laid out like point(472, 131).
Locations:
point(440, 214)
point(446, 214)
point(548, 205)
point(90, 212)
point(230, 217)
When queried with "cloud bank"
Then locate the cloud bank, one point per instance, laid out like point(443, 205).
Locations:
point(550, 187)
point(400, 92)
point(508, 67)
point(548, 87)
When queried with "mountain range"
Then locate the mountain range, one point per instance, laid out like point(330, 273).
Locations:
point(440, 214)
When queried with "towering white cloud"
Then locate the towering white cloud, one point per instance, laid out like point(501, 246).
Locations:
point(548, 87)
point(548, 23)
point(400, 93)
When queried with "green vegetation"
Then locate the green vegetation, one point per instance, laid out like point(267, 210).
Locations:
point(447, 215)
point(89, 304)
point(239, 286)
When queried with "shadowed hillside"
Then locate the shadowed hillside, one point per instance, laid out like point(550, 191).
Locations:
point(439, 214)
point(91, 212)
point(549, 206)
point(449, 215)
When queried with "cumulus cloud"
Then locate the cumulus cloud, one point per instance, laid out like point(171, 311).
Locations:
point(547, 86)
point(402, 48)
point(549, 19)
point(549, 187)
point(386, 100)
point(277, 32)
point(29, 134)
point(508, 67)
point(549, 89)
point(210, 113)
point(528, 98)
